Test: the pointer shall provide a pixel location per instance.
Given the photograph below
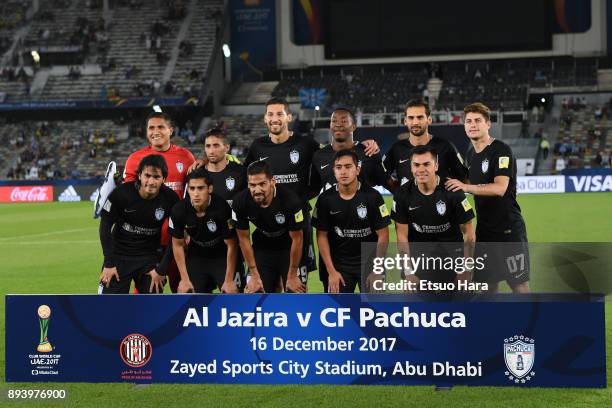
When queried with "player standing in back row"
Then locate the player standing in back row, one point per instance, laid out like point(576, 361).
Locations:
point(417, 120)
point(492, 173)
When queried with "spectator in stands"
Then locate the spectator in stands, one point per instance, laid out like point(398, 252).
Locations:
point(192, 138)
point(92, 152)
point(598, 113)
point(33, 173)
point(169, 88)
point(544, 146)
point(598, 159)
point(74, 73)
point(131, 72)
point(539, 134)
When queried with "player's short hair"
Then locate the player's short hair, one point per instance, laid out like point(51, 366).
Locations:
point(424, 149)
point(478, 107)
point(259, 167)
point(415, 103)
point(216, 132)
point(278, 101)
point(156, 161)
point(160, 115)
point(347, 152)
point(199, 173)
point(347, 110)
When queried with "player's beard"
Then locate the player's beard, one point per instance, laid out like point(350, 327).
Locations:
point(259, 198)
point(418, 131)
point(214, 159)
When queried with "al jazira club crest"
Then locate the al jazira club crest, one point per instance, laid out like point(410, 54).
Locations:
point(519, 355)
point(212, 226)
point(362, 211)
point(230, 183)
point(441, 207)
point(179, 166)
point(280, 218)
point(294, 156)
point(485, 165)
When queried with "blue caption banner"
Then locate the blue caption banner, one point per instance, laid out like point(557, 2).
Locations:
point(541, 341)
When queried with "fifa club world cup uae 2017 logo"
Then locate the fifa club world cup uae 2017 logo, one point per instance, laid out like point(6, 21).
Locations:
point(44, 312)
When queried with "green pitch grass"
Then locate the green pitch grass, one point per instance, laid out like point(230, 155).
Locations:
point(54, 248)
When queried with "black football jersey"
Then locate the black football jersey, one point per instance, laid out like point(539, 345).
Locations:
point(372, 171)
point(431, 218)
point(273, 223)
point(349, 223)
point(450, 162)
point(207, 233)
point(496, 215)
point(229, 181)
point(138, 222)
point(290, 161)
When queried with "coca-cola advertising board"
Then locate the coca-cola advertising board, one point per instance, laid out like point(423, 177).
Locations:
point(26, 194)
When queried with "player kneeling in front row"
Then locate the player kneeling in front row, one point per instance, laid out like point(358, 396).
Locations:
point(208, 261)
point(346, 216)
point(434, 224)
point(277, 214)
point(137, 210)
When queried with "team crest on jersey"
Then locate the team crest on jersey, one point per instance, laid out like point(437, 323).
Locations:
point(519, 354)
point(179, 166)
point(441, 207)
point(485, 165)
point(294, 156)
point(159, 214)
point(212, 226)
point(280, 218)
point(362, 211)
point(230, 183)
